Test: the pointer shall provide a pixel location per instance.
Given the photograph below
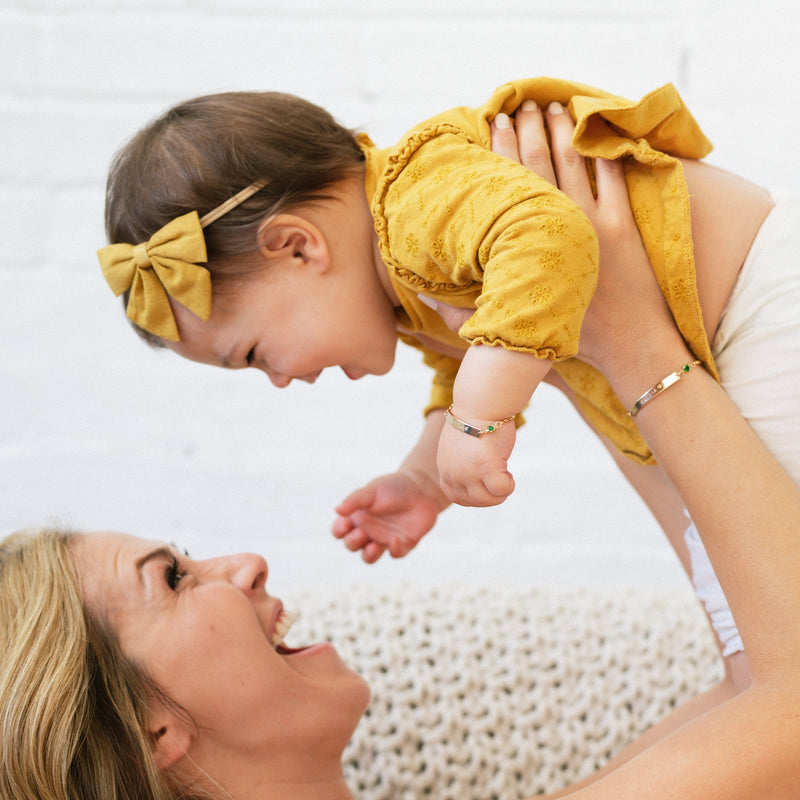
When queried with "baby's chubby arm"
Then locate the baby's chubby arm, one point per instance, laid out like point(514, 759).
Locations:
point(492, 384)
point(393, 512)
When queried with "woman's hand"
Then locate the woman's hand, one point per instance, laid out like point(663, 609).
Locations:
point(726, 479)
point(627, 299)
point(524, 140)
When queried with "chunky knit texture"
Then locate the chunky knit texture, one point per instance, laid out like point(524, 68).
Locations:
point(498, 692)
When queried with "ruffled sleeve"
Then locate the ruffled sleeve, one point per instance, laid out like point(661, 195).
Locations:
point(456, 220)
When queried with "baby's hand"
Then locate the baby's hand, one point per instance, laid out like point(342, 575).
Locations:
point(392, 512)
point(474, 471)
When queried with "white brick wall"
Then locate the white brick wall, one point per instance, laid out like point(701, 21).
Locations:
point(96, 430)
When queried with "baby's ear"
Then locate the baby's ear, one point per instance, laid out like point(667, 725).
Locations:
point(292, 237)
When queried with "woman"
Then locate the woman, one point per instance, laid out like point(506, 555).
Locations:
point(729, 742)
point(130, 670)
point(632, 366)
point(749, 309)
point(137, 672)
point(747, 510)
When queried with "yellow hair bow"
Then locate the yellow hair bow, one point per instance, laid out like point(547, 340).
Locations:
point(167, 264)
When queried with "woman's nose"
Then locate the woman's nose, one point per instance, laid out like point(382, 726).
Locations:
point(247, 571)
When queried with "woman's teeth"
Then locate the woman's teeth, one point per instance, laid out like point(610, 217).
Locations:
point(282, 625)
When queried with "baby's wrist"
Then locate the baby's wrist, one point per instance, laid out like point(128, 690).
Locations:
point(474, 425)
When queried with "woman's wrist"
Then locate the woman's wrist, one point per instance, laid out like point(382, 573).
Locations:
point(640, 362)
point(661, 385)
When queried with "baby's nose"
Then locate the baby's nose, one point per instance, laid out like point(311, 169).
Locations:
point(278, 380)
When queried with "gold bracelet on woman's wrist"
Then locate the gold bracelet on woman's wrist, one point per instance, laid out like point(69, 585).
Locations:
point(656, 389)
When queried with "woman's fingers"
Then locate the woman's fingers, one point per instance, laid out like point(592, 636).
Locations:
point(612, 191)
point(532, 144)
point(504, 139)
point(452, 316)
point(524, 139)
point(570, 166)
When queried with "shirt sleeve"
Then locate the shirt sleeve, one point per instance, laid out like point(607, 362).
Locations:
point(459, 219)
point(444, 368)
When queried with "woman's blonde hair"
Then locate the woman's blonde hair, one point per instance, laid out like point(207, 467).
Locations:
point(73, 708)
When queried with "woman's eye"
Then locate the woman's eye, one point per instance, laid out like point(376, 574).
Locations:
point(173, 575)
point(250, 357)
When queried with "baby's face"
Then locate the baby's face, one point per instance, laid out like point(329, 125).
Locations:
point(293, 323)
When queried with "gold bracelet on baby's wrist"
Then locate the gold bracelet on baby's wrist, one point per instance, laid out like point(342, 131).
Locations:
point(473, 430)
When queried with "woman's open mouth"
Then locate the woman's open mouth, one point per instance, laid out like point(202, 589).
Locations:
point(283, 625)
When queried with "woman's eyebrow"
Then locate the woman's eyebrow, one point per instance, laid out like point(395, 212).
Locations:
point(159, 552)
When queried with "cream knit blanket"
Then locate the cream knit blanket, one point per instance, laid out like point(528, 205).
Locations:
point(498, 692)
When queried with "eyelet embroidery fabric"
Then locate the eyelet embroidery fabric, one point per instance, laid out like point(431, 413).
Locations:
point(457, 223)
point(498, 692)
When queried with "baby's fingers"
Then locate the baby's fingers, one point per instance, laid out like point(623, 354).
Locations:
point(372, 552)
point(341, 527)
point(360, 498)
point(399, 547)
point(475, 494)
point(499, 485)
point(355, 540)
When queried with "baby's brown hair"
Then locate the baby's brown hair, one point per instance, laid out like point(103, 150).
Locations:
point(204, 150)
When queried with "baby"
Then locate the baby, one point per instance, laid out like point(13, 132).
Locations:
point(322, 250)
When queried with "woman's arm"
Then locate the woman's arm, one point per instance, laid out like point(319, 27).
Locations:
point(745, 506)
point(748, 513)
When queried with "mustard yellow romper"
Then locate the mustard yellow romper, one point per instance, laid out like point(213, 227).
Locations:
point(458, 223)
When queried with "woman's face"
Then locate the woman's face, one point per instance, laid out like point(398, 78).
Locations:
point(209, 635)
